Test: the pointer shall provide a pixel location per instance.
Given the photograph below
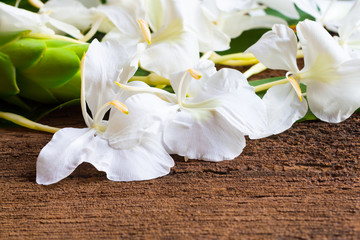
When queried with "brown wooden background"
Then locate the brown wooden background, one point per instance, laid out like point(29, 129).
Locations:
point(301, 184)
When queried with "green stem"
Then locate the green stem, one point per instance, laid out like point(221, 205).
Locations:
point(240, 59)
point(234, 59)
point(151, 79)
point(19, 120)
point(257, 68)
point(266, 86)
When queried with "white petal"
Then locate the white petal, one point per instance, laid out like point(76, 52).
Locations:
point(144, 117)
point(283, 109)
point(190, 13)
point(233, 5)
point(69, 11)
point(172, 50)
point(333, 12)
point(286, 7)
point(148, 160)
point(203, 135)
point(205, 67)
point(277, 49)
point(66, 28)
point(16, 19)
point(68, 148)
point(308, 6)
point(239, 104)
point(336, 100)
point(235, 24)
point(316, 41)
point(349, 32)
point(105, 63)
point(124, 17)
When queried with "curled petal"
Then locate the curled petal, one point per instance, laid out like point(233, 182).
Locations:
point(68, 148)
point(283, 109)
point(277, 49)
point(336, 100)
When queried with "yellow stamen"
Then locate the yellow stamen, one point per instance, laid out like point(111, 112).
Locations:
point(195, 74)
point(120, 106)
point(49, 12)
point(145, 30)
point(36, 3)
point(296, 87)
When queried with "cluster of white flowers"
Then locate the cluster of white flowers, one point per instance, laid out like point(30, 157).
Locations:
point(210, 112)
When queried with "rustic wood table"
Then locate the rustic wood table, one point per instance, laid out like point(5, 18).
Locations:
point(301, 184)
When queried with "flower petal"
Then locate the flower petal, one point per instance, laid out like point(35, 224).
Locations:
point(336, 100)
point(105, 63)
point(238, 102)
point(172, 50)
point(308, 6)
point(69, 11)
point(190, 13)
point(283, 109)
point(285, 7)
point(277, 49)
point(17, 19)
point(68, 148)
point(317, 42)
point(66, 28)
point(147, 160)
point(203, 135)
point(235, 24)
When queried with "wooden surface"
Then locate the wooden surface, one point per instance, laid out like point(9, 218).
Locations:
point(302, 184)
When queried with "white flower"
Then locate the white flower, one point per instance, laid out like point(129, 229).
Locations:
point(349, 32)
point(126, 147)
point(164, 49)
point(329, 13)
point(234, 17)
point(16, 19)
point(208, 118)
point(330, 75)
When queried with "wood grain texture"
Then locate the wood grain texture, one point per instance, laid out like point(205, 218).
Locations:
point(301, 184)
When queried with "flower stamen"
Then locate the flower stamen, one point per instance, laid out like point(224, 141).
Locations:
point(120, 106)
point(36, 3)
point(195, 74)
point(98, 124)
point(296, 87)
point(145, 30)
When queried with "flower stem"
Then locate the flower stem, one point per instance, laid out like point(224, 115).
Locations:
point(36, 3)
point(234, 59)
point(266, 86)
point(20, 120)
point(257, 68)
point(240, 59)
point(151, 79)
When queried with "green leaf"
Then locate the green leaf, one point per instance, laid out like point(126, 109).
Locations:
point(8, 37)
point(244, 41)
point(25, 52)
point(7, 77)
point(255, 83)
point(56, 67)
point(290, 21)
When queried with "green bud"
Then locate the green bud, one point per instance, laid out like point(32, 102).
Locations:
point(39, 70)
